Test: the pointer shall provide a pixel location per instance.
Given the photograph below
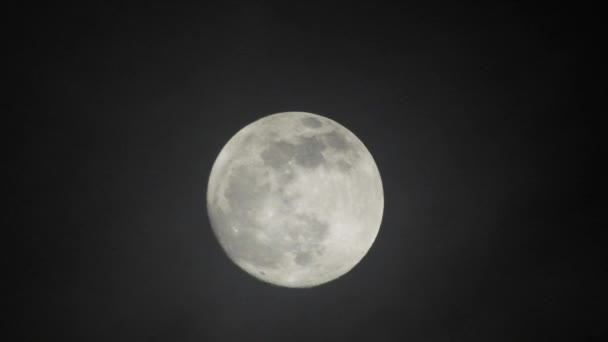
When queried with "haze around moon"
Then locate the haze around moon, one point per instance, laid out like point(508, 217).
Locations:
point(295, 199)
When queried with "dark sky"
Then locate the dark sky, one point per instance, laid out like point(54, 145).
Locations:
point(475, 116)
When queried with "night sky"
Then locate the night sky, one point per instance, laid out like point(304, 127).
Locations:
point(475, 116)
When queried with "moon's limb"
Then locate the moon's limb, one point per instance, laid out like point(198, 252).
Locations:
point(295, 199)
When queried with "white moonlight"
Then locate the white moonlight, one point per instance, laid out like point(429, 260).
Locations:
point(295, 199)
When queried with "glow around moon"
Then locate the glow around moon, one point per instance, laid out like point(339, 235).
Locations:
point(295, 199)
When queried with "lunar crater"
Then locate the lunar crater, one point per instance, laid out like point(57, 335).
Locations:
point(312, 122)
point(278, 154)
point(306, 152)
point(337, 141)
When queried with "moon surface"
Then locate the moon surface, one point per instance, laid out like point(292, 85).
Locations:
point(295, 199)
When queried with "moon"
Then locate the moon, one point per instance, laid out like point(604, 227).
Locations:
point(295, 199)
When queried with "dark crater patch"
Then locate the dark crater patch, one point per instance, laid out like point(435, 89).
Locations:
point(344, 166)
point(303, 258)
point(278, 154)
point(337, 141)
point(248, 139)
point(311, 122)
point(315, 229)
point(308, 152)
point(285, 177)
point(307, 238)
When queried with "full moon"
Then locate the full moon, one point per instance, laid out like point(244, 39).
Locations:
point(295, 199)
